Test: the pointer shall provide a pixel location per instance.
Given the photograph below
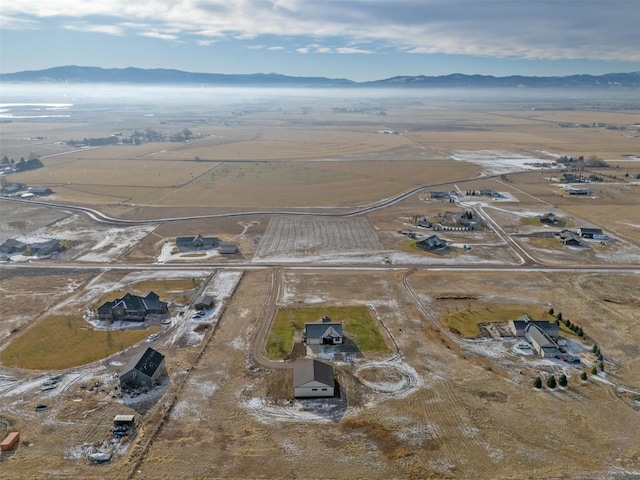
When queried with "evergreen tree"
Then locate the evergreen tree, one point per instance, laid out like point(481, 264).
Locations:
point(551, 311)
point(595, 348)
point(559, 316)
point(562, 381)
point(583, 376)
point(537, 382)
point(551, 382)
point(594, 370)
point(601, 366)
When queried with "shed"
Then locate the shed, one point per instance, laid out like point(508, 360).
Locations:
point(313, 378)
point(590, 232)
point(142, 370)
point(10, 441)
point(123, 420)
point(203, 302)
point(548, 218)
point(540, 341)
point(228, 247)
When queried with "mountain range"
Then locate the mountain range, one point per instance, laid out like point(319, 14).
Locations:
point(131, 75)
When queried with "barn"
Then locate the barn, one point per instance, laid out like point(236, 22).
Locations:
point(313, 378)
point(142, 370)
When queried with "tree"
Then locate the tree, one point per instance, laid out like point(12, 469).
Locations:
point(594, 370)
point(5, 160)
point(551, 382)
point(559, 316)
point(601, 365)
point(595, 348)
point(580, 332)
point(562, 381)
point(537, 383)
point(551, 311)
point(583, 376)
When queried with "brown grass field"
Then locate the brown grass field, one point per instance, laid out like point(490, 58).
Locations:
point(435, 404)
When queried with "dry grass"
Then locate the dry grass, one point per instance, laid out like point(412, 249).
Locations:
point(61, 341)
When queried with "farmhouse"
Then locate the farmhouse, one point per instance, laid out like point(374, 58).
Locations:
point(132, 308)
point(440, 195)
point(312, 378)
point(431, 243)
point(590, 232)
point(518, 327)
point(142, 370)
point(197, 243)
point(45, 248)
point(12, 246)
point(548, 219)
point(323, 332)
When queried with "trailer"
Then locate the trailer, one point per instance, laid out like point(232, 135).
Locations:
point(10, 441)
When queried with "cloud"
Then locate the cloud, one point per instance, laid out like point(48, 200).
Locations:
point(532, 29)
point(115, 30)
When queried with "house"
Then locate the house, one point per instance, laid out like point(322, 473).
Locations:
point(197, 243)
point(312, 378)
point(540, 341)
point(567, 237)
point(12, 246)
point(487, 193)
point(548, 219)
point(323, 332)
point(132, 308)
point(228, 248)
point(203, 302)
point(41, 191)
point(590, 232)
point(12, 188)
point(440, 195)
point(431, 243)
point(45, 248)
point(569, 177)
point(518, 327)
point(142, 370)
point(579, 191)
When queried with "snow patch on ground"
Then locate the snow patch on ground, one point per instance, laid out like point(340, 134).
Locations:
point(496, 162)
point(109, 244)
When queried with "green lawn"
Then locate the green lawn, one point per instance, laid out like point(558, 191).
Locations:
point(357, 322)
point(61, 341)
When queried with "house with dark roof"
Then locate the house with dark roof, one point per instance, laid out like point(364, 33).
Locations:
point(579, 191)
point(132, 308)
point(590, 232)
point(197, 243)
point(567, 237)
point(312, 378)
point(518, 327)
point(45, 248)
point(440, 195)
point(323, 332)
point(142, 370)
point(548, 219)
point(431, 243)
point(12, 246)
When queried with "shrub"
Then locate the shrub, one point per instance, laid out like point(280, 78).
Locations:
point(551, 382)
point(594, 370)
point(601, 366)
point(562, 381)
point(595, 348)
point(583, 376)
point(537, 382)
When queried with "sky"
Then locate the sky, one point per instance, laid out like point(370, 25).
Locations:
point(356, 39)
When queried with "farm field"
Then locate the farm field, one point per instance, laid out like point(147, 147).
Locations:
point(310, 189)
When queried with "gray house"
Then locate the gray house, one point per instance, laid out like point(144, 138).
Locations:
point(567, 237)
point(203, 302)
point(312, 378)
point(45, 248)
point(431, 243)
point(518, 327)
point(541, 341)
point(323, 332)
point(142, 370)
point(12, 246)
point(132, 308)
point(197, 243)
point(228, 248)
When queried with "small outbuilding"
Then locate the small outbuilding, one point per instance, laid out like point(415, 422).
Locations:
point(228, 248)
point(203, 302)
point(142, 370)
point(10, 441)
point(585, 232)
point(313, 378)
point(548, 219)
point(126, 420)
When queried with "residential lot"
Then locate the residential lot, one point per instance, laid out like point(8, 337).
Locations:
point(436, 403)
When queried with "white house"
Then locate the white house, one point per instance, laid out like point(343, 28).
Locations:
point(312, 378)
